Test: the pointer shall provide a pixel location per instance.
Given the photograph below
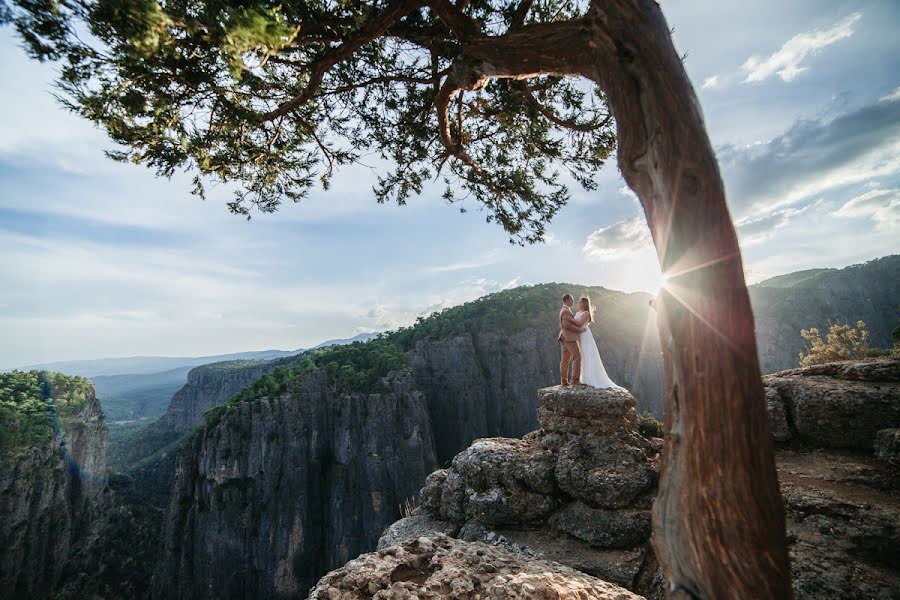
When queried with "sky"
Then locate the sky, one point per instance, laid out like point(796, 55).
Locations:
point(101, 259)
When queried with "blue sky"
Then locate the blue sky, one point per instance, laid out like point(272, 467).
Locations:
point(802, 102)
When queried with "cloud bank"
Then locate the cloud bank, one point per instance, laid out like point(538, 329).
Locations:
point(786, 62)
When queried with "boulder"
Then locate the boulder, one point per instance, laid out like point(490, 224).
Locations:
point(585, 409)
point(413, 527)
point(441, 567)
point(577, 491)
point(605, 528)
point(836, 405)
point(605, 472)
point(887, 446)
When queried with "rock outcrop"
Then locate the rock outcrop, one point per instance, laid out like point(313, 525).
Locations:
point(209, 386)
point(51, 493)
point(835, 405)
point(430, 568)
point(577, 491)
point(283, 489)
point(843, 524)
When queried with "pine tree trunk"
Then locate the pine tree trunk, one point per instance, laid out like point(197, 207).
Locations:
point(718, 521)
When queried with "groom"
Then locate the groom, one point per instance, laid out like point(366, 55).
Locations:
point(569, 332)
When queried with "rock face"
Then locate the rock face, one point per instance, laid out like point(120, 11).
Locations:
point(441, 567)
point(209, 386)
point(843, 524)
point(887, 446)
point(484, 385)
point(835, 405)
point(577, 491)
point(283, 489)
point(50, 496)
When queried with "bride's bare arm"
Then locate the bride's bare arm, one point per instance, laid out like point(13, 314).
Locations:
point(581, 319)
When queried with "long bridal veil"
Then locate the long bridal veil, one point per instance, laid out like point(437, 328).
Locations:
point(592, 370)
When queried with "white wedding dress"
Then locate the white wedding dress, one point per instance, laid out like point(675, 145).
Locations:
point(592, 371)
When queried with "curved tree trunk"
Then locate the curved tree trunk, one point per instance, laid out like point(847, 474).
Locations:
point(718, 526)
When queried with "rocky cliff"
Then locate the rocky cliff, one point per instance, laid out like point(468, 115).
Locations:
point(150, 452)
point(52, 484)
point(208, 386)
point(577, 491)
point(835, 405)
point(281, 489)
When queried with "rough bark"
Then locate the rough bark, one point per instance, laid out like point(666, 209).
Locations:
point(718, 524)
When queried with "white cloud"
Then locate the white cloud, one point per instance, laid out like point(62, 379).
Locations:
point(811, 158)
point(619, 240)
point(759, 229)
point(465, 265)
point(882, 206)
point(711, 82)
point(786, 63)
point(892, 96)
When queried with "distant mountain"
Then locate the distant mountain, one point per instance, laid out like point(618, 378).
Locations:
point(820, 297)
point(360, 337)
point(138, 365)
point(793, 279)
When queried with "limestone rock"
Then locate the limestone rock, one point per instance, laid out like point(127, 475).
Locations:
point(581, 409)
point(577, 491)
point(606, 472)
point(887, 446)
point(441, 567)
point(605, 528)
point(842, 524)
point(620, 566)
point(283, 489)
point(778, 424)
point(838, 405)
point(507, 480)
point(415, 526)
point(51, 495)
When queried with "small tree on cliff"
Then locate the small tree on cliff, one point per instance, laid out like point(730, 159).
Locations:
point(273, 95)
point(842, 342)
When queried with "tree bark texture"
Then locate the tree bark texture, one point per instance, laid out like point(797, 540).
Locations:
point(718, 521)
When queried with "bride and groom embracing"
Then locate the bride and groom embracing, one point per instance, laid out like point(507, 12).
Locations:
point(578, 346)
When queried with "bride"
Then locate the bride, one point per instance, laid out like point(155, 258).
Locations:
point(592, 371)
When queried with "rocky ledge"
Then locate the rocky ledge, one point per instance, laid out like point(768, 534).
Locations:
point(577, 492)
point(442, 567)
point(835, 405)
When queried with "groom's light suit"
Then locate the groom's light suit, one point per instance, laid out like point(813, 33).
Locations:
point(569, 332)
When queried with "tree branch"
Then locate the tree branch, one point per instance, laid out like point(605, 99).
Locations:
point(371, 30)
point(455, 19)
point(518, 17)
point(553, 117)
point(384, 79)
point(463, 76)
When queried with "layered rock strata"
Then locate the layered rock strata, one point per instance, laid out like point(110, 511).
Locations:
point(577, 491)
point(283, 489)
point(50, 497)
point(835, 405)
